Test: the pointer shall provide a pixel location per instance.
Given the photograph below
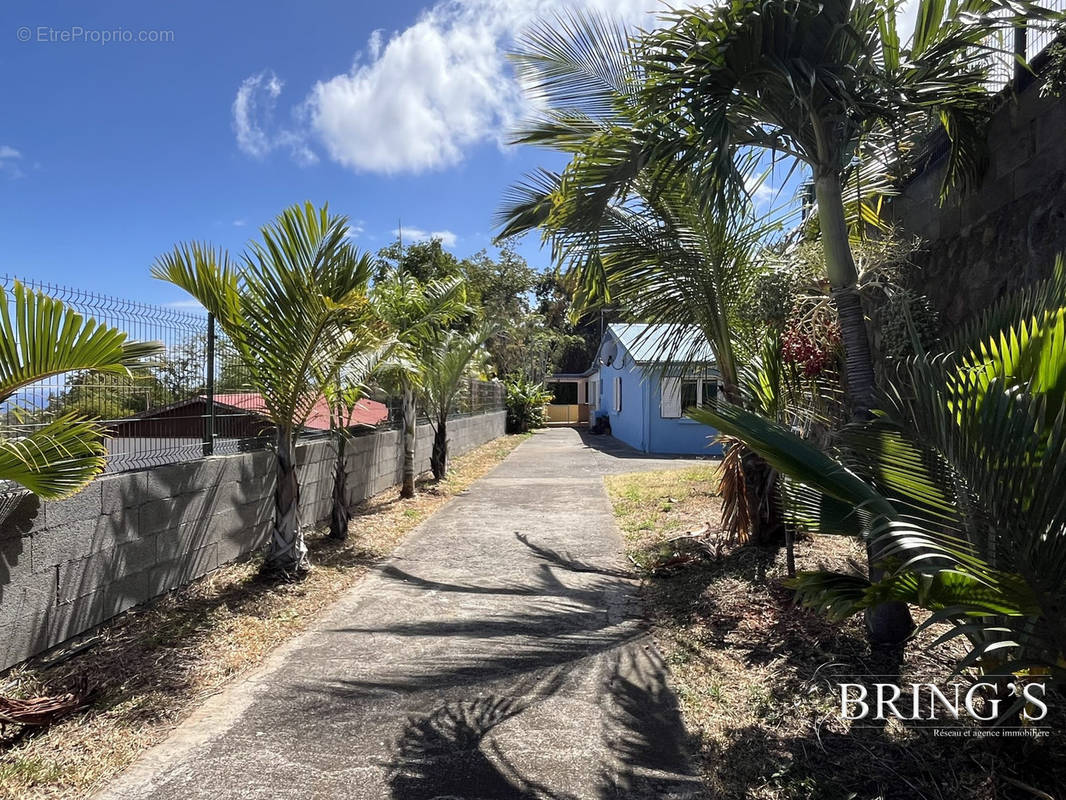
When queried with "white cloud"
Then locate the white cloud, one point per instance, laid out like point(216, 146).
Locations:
point(239, 223)
point(421, 97)
point(356, 228)
point(253, 120)
point(446, 238)
point(6, 151)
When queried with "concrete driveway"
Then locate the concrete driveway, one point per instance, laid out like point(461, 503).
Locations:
point(499, 654)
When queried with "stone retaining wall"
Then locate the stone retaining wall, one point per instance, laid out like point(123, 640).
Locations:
point(67, 566)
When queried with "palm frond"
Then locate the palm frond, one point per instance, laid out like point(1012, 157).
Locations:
point(57, 459)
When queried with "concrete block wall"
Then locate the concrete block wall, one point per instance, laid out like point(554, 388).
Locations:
point(70, 565)
point(1005, 232)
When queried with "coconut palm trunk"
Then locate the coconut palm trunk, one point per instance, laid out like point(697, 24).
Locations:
point(287, 553)
point(410, 437)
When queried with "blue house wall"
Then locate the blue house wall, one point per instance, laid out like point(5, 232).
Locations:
point(640, 423)
point(630, 424)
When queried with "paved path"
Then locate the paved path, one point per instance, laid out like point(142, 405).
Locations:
point(497, 655)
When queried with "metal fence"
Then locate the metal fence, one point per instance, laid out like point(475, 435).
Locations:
point(1011, 49)
point(193, 400)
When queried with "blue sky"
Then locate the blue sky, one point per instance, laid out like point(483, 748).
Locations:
point(112, 151)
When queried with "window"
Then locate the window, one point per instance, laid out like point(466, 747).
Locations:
point(708, 392)
point(681, 394)
point(670, 398)
point(617, 395)
point(690, 394)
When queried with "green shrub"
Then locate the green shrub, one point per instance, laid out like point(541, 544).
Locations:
point(525, 404)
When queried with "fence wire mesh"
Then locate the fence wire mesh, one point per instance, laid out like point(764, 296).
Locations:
point(1026, 43)
point(193, 400)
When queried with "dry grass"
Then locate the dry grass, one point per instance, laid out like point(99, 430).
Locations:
point(152, 666)
point(756, 676)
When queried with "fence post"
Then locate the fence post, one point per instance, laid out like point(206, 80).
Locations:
point(209, 407)
point(1021, 47)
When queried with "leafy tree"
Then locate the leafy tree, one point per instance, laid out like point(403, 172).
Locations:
point(43, 338)
point(574, 336)
point(500, 287)
point(294, 307)
point(423, 261)
point(525, 404)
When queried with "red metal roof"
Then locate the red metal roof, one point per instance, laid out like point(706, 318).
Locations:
point(366, 412)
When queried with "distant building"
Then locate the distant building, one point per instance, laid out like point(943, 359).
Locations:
point(175, 432)
point(237, 415)
point(643, 379)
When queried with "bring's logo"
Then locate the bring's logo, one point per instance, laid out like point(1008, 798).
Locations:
point(1024, 702)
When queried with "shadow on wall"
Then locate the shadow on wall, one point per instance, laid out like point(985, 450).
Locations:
point(123, 540)
point(69, 565)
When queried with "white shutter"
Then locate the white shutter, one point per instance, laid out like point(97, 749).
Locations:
point(617, 394)
point(670, 400)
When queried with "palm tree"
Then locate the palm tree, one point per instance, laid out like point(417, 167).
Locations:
point(444, 363)
point(294, 306)
point(343, 394)
point(959, 485)
point(413, 312)
point(42, 337)
point(654, 250)
point(812, 81)
point(815, 82)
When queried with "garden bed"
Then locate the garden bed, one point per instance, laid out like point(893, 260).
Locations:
point(150, 667)
point(756, 676)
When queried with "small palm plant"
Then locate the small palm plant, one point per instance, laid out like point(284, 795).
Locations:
point(295, 308)
point(413, 313)
point(959, 486)
point(343, 394)
point(444, 364)
point(42, 337)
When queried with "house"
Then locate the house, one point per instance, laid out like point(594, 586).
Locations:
point(237, 415)
point(178, 431)
point(643, 379)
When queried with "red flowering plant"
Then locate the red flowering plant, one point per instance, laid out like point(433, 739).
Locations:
point(810, 339)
